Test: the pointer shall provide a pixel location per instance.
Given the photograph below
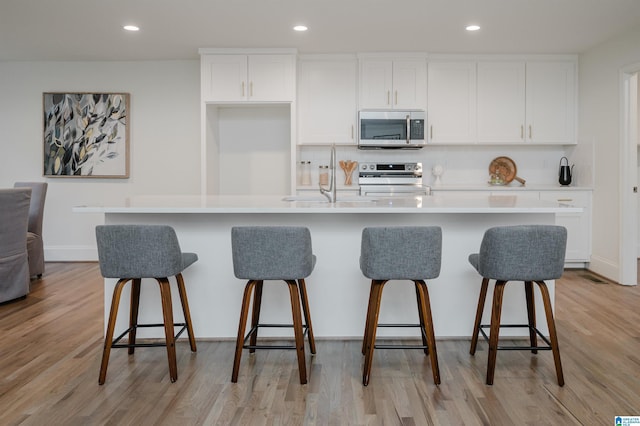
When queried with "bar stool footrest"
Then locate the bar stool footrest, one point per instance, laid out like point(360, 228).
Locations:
point(305, 331)
point(115, 344)
point(515, 348)
point(401, 346)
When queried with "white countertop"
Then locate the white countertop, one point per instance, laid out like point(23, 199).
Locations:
point(513, 186)
point(444, 203)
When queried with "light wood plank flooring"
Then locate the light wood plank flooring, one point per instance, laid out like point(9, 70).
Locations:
point(52, 342)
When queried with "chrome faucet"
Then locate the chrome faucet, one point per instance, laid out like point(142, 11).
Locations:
point(332, 191)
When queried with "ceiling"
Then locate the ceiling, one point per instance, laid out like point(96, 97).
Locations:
point(87, 30)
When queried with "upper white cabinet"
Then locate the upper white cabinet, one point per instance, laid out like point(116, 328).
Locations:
point(248, 78)
point(532, 101)
point(501, 101)
point(327, 99)
point(393, 83)
point(551, 102)
point(451, 112)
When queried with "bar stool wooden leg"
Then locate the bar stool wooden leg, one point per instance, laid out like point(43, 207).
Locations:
point(553, 337)
point(297, 329)
point(420, 301)
point(377, 287)
point(185, 310)
point(108, 340)
point(255, 315)
point(307, 315)
point(167, 314)
point(425, 308)
point(133, 312)
point(244, 313)
point(531, 315)
point(496, 313)
point(479, 312)
point(367, 325)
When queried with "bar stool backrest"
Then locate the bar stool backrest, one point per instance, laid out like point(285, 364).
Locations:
point(401, 252)
point(140, 251)
point(272, 252)
point(522, 253)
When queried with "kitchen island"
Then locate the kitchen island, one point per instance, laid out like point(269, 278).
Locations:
point(338, 292)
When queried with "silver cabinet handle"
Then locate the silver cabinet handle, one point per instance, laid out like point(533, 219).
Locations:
point(431, 132)
point(243, 89)
point(521, 132)
point(251, 89)
point(352, 132)
point(388, 97)
point(530, 132)
point(396, 97)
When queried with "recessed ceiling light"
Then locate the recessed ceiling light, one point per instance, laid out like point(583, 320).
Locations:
point(300, 28)
point(472, 28)
point(131, 28)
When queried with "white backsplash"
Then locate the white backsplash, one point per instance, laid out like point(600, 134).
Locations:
point(465, 165)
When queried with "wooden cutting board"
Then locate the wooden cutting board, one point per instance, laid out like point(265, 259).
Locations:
point(506, 167)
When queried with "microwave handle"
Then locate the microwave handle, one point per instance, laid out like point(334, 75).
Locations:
point(408, 129)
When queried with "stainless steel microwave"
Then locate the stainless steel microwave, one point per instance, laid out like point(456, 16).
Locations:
point(391, 129)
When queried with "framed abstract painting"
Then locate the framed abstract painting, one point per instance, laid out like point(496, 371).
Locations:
point(86, 135)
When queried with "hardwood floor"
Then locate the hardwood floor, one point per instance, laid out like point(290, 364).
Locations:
point(52, 343)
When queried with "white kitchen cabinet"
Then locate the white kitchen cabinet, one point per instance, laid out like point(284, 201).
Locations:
point(532, 102)
point(393, 83)
point(451, 102)
point(551, 102)
point(578, 224)
point(327, 100)
point(501, 101)
point(248, 78)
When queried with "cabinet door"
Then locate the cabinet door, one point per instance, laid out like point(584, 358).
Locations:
point(578, 224)
point(409, 84)
point(452, 102)
point(271, 78)
point(550, 107)
point(501, 100)
point(327, 101)
point(224, 78)
point(376, 84)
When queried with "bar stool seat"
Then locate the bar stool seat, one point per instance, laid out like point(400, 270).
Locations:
point(528, 253)
point(134, 252)
point(282, 253)
point(400, 253)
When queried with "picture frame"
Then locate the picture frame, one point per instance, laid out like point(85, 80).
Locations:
point(86, 134)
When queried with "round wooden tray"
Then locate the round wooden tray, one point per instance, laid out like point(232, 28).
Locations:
point(506, 167)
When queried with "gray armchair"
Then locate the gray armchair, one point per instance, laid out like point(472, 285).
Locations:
point(14, 262)
point(35, 246)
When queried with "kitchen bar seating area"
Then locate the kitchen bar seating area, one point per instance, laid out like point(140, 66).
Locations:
point(60, 386)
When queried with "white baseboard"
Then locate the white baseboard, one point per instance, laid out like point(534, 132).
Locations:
point(71, 254)
point(605, 267)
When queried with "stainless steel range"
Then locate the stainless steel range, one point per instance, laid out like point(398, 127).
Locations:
point(391, 179)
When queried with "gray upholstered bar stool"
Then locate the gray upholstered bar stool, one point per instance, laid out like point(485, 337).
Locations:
point(400, 253)
point(134, 252)
point(529, 253)
point(263, 253)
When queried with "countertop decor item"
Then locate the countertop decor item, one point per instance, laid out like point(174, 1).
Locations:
point(437, 171)
point(506, 168)
point(564, 174)
point(348, 167)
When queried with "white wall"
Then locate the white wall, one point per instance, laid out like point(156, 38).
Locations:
point(599, 125)
point(164, 134)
